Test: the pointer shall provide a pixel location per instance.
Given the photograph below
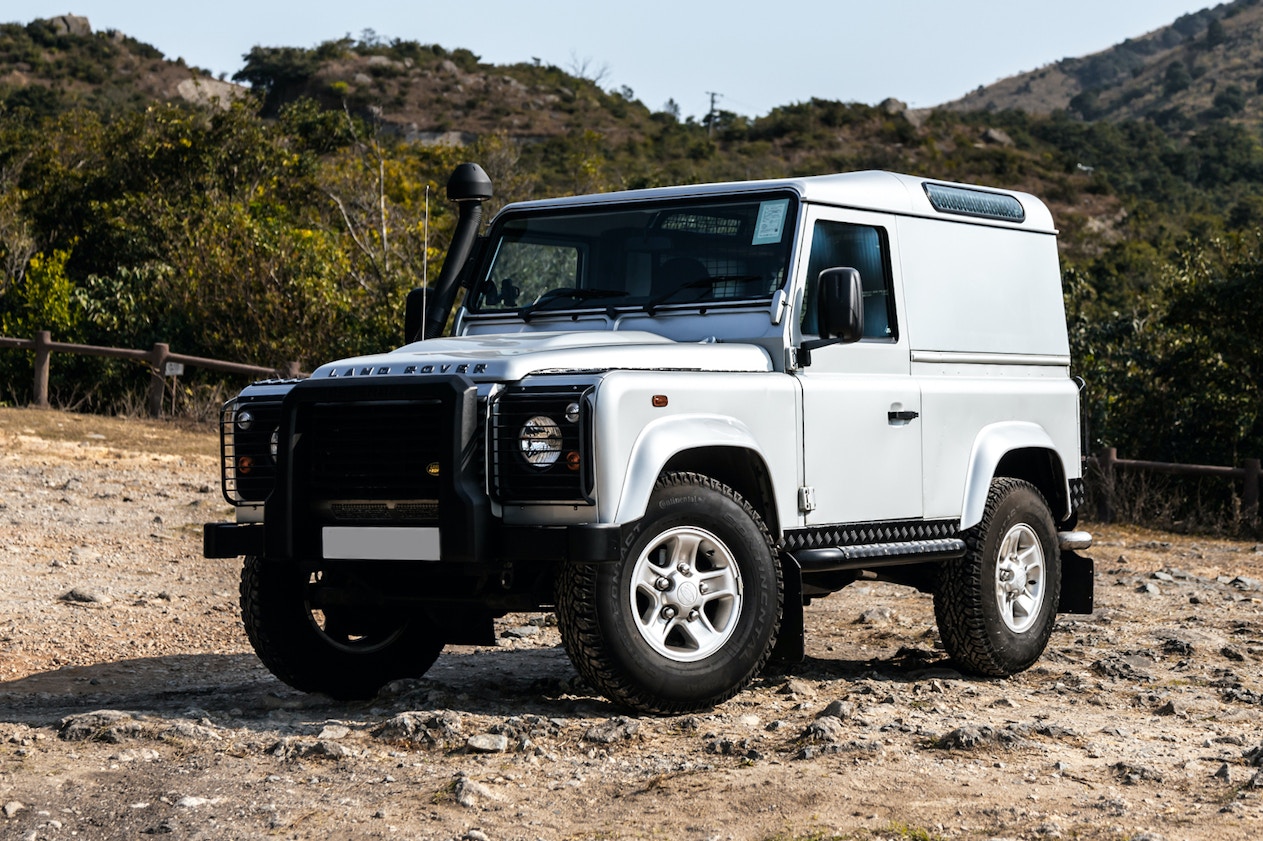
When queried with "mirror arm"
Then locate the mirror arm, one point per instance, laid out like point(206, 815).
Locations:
point(805, 349)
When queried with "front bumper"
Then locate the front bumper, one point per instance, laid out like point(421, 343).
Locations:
point(589, 543)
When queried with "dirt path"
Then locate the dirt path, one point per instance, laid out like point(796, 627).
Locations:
point(131, 704)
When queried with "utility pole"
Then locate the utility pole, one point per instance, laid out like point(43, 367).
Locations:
point(710, 115)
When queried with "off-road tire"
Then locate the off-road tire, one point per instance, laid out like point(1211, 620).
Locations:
point(351, 663)
point(602, 615)
point(969, 602)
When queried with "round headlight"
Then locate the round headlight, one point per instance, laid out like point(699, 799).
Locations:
point(539, 441)
point(245, 420)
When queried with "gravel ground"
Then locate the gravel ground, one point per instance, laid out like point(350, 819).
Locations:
point(131, 704)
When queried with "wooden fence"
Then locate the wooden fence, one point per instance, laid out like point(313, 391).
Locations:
point(1108, 463)
point(162, 363)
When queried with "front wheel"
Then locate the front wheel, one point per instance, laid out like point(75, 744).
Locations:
point(689, 616)
point(997, 605)
point(345, 651)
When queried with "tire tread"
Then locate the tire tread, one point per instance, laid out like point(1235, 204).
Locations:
point(963, 587)
point(583, 638)
point(293, 653)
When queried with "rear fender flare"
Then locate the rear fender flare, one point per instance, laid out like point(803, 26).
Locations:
point(991, 445)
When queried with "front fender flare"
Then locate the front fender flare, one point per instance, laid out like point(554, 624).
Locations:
point(991, 445)
point(661, 440)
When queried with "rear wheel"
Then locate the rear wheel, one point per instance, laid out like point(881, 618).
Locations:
point(997, 605)
point(689, 615)
point(345, 651)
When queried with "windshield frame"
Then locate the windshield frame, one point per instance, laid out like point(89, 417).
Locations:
point(669, 230)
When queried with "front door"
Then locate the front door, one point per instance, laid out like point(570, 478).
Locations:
point(861, 406)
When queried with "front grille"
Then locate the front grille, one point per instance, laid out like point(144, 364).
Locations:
point(375, 461)
point(386, 451)
point(374, 450)
point(564, 481)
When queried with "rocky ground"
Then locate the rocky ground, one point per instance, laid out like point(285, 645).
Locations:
point(131, 704)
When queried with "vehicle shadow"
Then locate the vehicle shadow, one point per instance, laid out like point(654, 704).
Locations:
point(238, 689)
point(909, 664)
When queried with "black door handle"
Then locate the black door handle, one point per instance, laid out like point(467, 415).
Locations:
point(902, 416)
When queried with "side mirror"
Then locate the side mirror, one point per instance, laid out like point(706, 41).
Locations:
point(839, 311)
point(840, 305)
point(414, 315)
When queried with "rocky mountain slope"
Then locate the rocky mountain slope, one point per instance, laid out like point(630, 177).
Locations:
point(50, 65)
point(1204, 65)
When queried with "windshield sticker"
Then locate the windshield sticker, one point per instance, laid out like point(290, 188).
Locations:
point(771, 222)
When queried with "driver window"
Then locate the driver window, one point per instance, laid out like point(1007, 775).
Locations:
point(860, 247)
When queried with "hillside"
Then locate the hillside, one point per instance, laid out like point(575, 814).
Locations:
point(48, 66)
point(415, 91)
point(427, 93)
point(1204, 66)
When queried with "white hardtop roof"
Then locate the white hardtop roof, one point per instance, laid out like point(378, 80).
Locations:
point(887, 192)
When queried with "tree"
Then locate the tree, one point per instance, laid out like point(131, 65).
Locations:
point(1176, 78)
point(1215, 33)
point(278, 73)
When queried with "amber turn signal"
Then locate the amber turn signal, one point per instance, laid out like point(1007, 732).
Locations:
point(572, 460)
point(659, 400)
point(245, 464)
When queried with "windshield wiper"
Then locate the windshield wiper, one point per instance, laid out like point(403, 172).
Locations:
point(705, 283)
point(566, 294)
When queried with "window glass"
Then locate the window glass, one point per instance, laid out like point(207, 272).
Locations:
point(525, 270)
point(651, 255)
point(860, 247)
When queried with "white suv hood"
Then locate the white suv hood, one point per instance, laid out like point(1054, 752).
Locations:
point(509, 357)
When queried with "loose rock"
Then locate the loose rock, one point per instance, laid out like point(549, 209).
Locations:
point(615, 730)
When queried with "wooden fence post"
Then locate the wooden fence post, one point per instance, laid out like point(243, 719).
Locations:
point(1105, 460)
point(42, 354)
point(1250, 495)
point(157, 377)
point(293, 369)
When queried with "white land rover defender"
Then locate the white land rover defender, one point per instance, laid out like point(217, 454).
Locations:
point(677, 416)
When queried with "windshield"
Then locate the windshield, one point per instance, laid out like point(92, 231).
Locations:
point(643, 256)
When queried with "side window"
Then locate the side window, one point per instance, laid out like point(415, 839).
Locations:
point(860, 247)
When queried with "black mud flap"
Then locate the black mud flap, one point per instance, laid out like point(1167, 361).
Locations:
point(1078, 583)
point(790, 648)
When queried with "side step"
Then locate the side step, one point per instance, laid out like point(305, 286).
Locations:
point(868, 556)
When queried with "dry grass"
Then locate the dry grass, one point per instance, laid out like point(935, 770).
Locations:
point(168, 437)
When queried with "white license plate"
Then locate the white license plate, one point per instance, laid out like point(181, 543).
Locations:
point(381, 543)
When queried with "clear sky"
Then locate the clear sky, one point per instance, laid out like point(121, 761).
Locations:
point(757, 55)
